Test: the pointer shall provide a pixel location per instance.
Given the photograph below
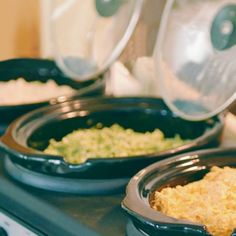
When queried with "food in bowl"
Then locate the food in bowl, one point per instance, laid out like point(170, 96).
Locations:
point(113, 141)
point(23, 92)
point(210, 201)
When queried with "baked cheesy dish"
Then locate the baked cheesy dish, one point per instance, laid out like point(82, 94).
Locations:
point(210, 201)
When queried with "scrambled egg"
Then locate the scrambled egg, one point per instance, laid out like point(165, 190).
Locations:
point(210, 201)
point(114, 141)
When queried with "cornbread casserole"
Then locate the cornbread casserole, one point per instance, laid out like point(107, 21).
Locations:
point(210, 201)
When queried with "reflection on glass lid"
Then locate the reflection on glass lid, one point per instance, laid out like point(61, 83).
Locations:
point(89, 35)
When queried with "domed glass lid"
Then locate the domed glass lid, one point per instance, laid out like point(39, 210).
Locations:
point(195, 56)
point(89, 35)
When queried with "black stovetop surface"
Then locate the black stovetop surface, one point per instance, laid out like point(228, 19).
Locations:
point(101, 215)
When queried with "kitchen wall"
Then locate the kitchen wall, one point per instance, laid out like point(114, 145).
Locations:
point(144, 38)
point(25, 29)
point(19, 24)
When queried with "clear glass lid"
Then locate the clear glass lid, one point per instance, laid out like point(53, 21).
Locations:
point(89, 35)
point(195, 56)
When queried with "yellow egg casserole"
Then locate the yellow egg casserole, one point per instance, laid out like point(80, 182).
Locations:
point(109, 142)
point(210, 201)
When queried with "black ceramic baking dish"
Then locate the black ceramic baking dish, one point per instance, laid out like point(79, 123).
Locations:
point(41, 70)
point(29, 135)
point(178, 170)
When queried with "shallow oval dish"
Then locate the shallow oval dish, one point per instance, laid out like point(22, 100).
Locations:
point(41, 70)
point(178, 170)
point(25, 139)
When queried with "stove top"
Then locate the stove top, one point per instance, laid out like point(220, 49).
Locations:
point(32, 211)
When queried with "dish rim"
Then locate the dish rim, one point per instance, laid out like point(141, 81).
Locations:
point(21, 66)
point(60, 99)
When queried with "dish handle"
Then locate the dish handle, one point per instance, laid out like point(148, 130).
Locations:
point(21, 154)
point(150, 220)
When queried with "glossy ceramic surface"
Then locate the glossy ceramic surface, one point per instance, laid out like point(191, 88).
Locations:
point(29, 135)
point(178, 170)
point(41, 70)
point(64, 185)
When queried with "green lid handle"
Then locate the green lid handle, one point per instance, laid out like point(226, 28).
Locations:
point(107, 8)
point(223, 29)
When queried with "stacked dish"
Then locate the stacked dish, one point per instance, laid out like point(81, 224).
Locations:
point(178, 171)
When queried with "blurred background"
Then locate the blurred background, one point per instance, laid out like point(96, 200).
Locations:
point(25, 34)
point(24, 26)
point(20, 29)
